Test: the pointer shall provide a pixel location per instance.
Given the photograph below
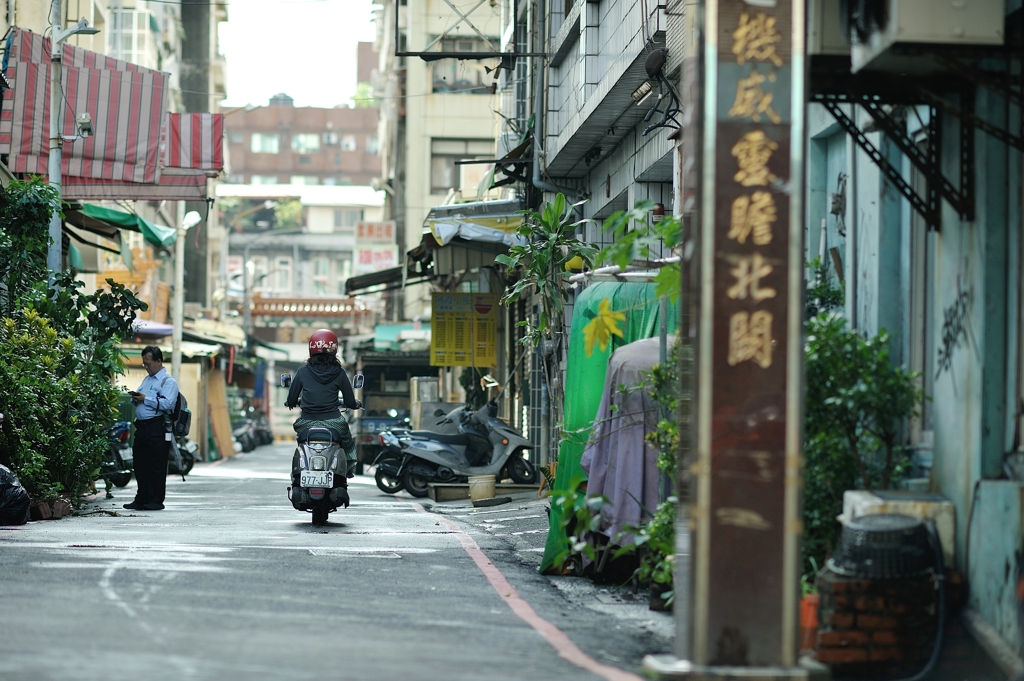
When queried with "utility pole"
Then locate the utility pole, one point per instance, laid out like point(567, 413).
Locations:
point(54, 255)
point(192, 218)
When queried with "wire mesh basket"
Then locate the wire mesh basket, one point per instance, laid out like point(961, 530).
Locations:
point(882, 546)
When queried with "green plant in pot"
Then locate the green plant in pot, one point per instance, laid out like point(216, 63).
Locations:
point(856, 402)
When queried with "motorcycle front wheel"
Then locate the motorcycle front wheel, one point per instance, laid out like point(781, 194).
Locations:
point(121, 479)
point(415, 485)
point(386, 483)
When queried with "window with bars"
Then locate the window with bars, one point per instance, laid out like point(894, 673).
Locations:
point(321, 275)
point(283, 275)
point(132, 36)
point(444, 174)
point(305, 142)
point(463, 75)
point(265, 143)
point(347, 218)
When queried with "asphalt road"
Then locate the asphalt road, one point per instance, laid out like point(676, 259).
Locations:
point(229, 582)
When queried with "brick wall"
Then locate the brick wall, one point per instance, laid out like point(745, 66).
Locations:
point(875, 629)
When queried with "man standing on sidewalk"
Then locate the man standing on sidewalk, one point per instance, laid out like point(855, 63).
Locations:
point(155, 397)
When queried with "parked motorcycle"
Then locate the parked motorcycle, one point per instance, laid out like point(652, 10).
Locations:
point(244, 433)
point(319, 468)
point(484, 445)
point(262, 432)
point(188, 451)
point(117, 465)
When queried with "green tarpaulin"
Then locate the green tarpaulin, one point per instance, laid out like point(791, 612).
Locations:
point(158, 235)
point(584, 380)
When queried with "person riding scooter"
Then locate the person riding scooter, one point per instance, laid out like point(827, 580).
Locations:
point(316, 386)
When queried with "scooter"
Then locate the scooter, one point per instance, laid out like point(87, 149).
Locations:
point(319, 468)
point(187, 450)
point(483, 445)
point(118, 464)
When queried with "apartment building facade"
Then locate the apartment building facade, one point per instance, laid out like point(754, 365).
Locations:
point(284, 144)
point(433, 114)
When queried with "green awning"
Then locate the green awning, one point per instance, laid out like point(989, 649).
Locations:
point(158, 235)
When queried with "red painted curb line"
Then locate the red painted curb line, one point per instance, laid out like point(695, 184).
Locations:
point(557, 638)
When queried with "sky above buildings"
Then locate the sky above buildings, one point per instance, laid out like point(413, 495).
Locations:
point(304, 48)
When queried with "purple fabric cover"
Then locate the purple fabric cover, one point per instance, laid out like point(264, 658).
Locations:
point(619, 463)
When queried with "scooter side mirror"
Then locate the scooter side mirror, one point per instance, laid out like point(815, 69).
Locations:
point(439, 412)
point(286, 380)
point(357, 382)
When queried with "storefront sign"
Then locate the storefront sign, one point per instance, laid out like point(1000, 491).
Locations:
point(375, 233)
point(375, 258)
point(464, 329)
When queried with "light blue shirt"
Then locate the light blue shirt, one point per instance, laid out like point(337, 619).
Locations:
point(160, 396)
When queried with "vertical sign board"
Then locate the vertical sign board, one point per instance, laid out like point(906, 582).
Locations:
point(375, 249)
point(748, 473)
point(464, 330)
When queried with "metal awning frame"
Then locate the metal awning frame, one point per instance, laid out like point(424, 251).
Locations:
point(460, 18)
point(835, 85)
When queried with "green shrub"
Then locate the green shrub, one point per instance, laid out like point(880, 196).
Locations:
point(856, 401)
point(58, 356)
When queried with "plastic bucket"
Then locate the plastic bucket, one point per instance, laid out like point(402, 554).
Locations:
point(481, 487)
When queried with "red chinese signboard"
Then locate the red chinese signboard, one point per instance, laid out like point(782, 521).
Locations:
point(375, 232)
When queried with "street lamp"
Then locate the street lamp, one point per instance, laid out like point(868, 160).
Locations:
point(246, 311)
point(222, 308)
point(191, 219)
point(54, 255)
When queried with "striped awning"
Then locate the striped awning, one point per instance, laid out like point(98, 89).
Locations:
point(195, 141)
point(138, 149)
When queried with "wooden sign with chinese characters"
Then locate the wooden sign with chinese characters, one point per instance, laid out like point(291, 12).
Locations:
point(748, 473)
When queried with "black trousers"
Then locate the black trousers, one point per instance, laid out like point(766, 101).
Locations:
point(150, 455)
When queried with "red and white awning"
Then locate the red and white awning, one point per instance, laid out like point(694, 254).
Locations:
point(136, 142)
point(195, 141)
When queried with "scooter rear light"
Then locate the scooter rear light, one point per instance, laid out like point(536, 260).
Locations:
point(381, 438)
point(316, 491)
point(124, 435)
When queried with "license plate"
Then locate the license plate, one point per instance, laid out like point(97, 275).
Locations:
point(126, 453)
point(316, 479)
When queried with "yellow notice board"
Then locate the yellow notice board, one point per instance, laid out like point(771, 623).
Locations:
point(464, 330)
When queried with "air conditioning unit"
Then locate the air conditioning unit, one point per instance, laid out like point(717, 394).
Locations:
point(825, 29)
point(926, 22)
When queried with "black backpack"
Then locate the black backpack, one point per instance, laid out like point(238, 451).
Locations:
point(180, 418)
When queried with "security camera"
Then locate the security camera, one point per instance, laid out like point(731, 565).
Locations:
point(85, 124)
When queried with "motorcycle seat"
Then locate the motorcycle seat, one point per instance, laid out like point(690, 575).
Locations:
point(303, 436)
point(446, 438)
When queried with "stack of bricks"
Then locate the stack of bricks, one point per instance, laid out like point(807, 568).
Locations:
point(875, 628)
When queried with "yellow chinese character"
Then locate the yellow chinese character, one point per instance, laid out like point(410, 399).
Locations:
point(755, 39)
point(752, 100)
point(750, 338)
point(752, 154)
point(753, 215)
point(749, 272)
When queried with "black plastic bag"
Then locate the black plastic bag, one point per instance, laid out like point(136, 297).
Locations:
point(14, 501)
